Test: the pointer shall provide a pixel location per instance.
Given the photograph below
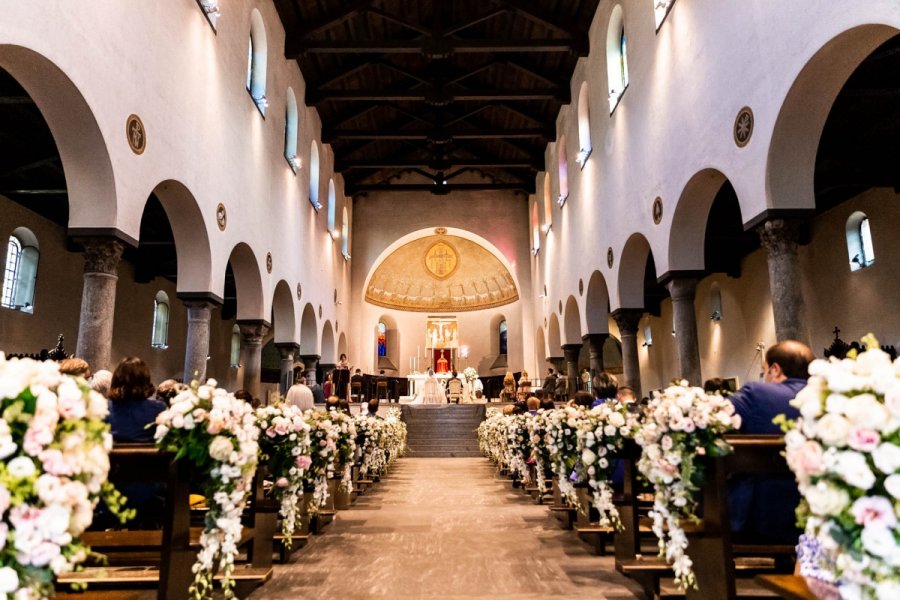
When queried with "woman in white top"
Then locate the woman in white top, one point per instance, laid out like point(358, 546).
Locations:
point(431, 391)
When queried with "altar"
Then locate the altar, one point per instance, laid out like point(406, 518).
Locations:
point(416, 380)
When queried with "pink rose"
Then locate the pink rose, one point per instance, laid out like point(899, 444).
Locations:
point(55, 463)
point(809, 457)
point(36, 438)
point(874, 510)
point(270, 432)
point(40, 555)
point(282, 482)
point(215, 426)
point(304, 461)
point(864, 440)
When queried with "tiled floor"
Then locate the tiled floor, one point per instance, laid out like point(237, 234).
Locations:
point(446, 528)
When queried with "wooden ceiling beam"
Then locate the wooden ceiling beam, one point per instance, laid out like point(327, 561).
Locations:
point(442, 134)
point(442, 164)
point(333, 19)
point(444, 46)
point(437, 97)
point(399, 21)
point(435, 188)
point(463, 25)
point(537, 15)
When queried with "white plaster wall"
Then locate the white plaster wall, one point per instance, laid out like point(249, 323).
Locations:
point(162, 61)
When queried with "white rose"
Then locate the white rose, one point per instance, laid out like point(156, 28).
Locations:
point(616, 419)
point(836, 403)
point(887, 590)
point(892, 485)
point(21, 467)
point(808, 402)
point(887, 458)
point(55, 521)
point(588, 457)
point(98, 406)
point(878, 540)
point(9, 580)
point(220, 448)
point(870, 361)
point(867, 412)
point(826, 499)
point(854, 469)
point(833, 430)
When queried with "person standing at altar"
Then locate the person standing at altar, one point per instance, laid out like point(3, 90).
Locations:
point(343, 363)
point(550, 383)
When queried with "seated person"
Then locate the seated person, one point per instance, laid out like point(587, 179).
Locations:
point(524, 382)
point(299, 395)
point(584, 399)
point(718, 386)
point(100, 382)
point(317, 391)
point(533, 405)
point(605, 388)
point(509, 388)
point(626, 396)
point(168, 389)
point(76, 367)
point(372, 408)
point(332, 404)
point(762, 508)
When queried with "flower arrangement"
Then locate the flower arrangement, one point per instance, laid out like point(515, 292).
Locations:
point(845, 452)
point(394, 434)
point(470, 374)
point(370, 441)
point(540, 451)
point(492, 436)
point(683, 422)
point(600, 432)
point(218, 434)
point(518, 443)
point(54, 463)
point(562, 446)
point(333, 445)
point(284, 446)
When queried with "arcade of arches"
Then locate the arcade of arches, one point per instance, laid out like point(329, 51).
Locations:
point(738, 187)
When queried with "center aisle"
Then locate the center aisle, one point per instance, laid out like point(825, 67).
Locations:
point(446, 528)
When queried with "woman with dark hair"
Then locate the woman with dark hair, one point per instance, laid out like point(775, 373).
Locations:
point(131, 405)
point(605, 388)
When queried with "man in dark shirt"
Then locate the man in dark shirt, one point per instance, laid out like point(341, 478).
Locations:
point(762, 508)
point(318, 393)
point(550, 384)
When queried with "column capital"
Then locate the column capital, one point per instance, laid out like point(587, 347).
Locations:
point(195, 298)
point(628, 319)
point(102, 254)
point(253, 331)
point(595, 338)
point(290, 346)
point(682, 288)
point(780, 235)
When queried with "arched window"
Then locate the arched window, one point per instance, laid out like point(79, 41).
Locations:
point(535, 230)
point(382, 339)
point(563, 171)
point(616, 57)
point(715, 303)
point(648, 337)
point(345, 234)
point(235, 360)
point(314, 176)
point(859, 241)
point(20, 271)
point(256, 62)
point(332, 208)
point(502, 338)
point(661, 9)
point(290, 131)
point(548, 204)
point(584, 126)
point(160, 335)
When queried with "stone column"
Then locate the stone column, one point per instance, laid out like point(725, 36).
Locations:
point(98, 300)
point(252, 334)
point(684, 322)
point(595, 342)
point(571, 352)
point(310, 363)
point(288, 352)
point(780, 238)
point(196, 349)
point(628, 319)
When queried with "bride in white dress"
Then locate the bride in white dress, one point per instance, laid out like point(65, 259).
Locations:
point(431, 391)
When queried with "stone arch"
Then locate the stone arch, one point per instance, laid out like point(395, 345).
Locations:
point(554, 343)
point(790, 166)
point(309, 340)
point(632, 265)
point(572, 322)
point(688, 230)
point(392, 335)
point(596, 310)
point(90, 180)
point(284, 319)
point(248, 284)
point(329, 356)
point(342, 344)
point(191, 239)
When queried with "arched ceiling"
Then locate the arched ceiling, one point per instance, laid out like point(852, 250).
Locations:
point(441, 273)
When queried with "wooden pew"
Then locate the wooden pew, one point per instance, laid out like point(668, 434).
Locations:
point(163, 559)
point(711, 547)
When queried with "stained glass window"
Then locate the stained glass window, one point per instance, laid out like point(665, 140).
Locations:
point(382, 339)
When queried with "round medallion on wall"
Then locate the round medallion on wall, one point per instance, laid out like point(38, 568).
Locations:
point(269, 262)
point(743, 127)
point(657, 210)
point(440, 230)
point(560, 307)
point(320, 311)
point(221, 216)
point(609, 257)
point(581, 287)
point(134, 131)
point(299, 291)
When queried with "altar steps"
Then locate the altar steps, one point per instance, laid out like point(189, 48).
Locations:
point(443, 430)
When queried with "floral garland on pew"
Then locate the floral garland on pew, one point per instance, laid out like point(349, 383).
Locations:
point(218, 434)
point(562, 445)
point(683, 422)
point(845, 451)
point(370, 442)
point(394, 435)
point(603, 431)
point(333, 445)
point(518, 443)
point(284, 446)
point(492, 436)
point(537, 429)
point(54, 464)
